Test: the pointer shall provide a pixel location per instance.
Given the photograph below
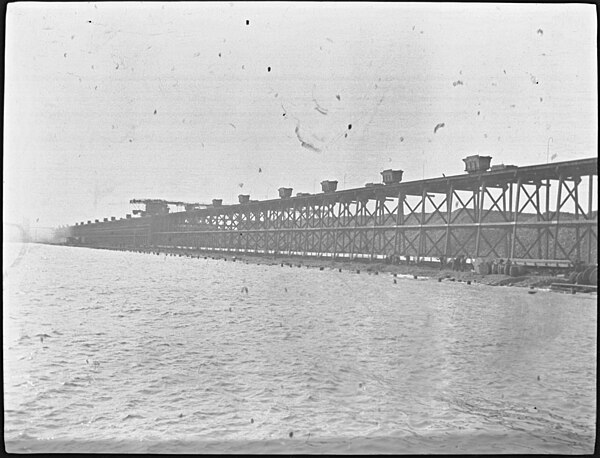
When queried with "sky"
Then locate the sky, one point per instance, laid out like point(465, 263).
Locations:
point(105, 102)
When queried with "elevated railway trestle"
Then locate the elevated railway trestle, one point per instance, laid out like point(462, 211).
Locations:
point(533, 212)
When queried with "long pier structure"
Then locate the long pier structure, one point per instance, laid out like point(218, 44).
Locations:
point(543, 214)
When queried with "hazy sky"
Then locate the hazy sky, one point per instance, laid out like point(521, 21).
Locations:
point(105, 102)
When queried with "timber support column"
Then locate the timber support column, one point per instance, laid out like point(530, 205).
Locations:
point(335, 229)
point(590, 210)
point(449, 196)
point(558, 207)
point(510, 218)
point(420, 248)
point(506, 230)
point(576, 181)
point(547, 218)
point(246, 233)
point(515, 220)
point(538, 215)
point(399, 222)
point(257, 234)
point(321, 217)
point(375, 216)
point(307, 226)
point(354, 230)
point(480, 200)
point(278, 225)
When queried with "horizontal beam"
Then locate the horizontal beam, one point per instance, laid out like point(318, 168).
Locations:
point(542, 262)
point(97, 230)
point(534, 174)
point(465, 182)
point(498, 225)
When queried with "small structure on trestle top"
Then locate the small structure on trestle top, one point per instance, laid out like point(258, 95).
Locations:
point(285, 193)
point(191, 207)
point(497, 167)
point(128, 216)
point(392, 176)
point(105, 220)
point(477, 163)
point(156, 207)
point(373, 185)
point(217, 202)
point(329, 185)
point(113, 218)
point(244, 198)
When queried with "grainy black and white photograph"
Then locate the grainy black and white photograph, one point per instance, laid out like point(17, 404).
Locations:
point(300, 228)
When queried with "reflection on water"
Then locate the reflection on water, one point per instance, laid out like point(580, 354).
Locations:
point(121, 347)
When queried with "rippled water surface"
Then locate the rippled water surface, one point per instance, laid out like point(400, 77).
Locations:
point(119, 351)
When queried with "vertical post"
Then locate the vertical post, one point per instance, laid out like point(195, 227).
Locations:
point(246, 233)
point(449, 197)
point(399, 221)
point(293, 239)
point(475, 215)
point(510, 201)
point(298, 229)
point(538, 216)
point(281, 238)
point(265, 229)
point(284, 235)
point(354, 230)
point(515, 219)
point(310, 240)
point(558, 207)
point(306, 228)
point(590, 207)
point(420, 247)
point(257, 234)
point(480, 199)
point(301, 223)
point(271, 227)
point(375, 216)
point(510, 215)
point(476, 204)
point(288, 234)
point(506, 230)
point(361, 217)
point(337, 225)
point(547, 218)
point(321, 217)
point(576, 181)
point(151, 230)
point(225, 218)
point(278, 222)
point(238, 240)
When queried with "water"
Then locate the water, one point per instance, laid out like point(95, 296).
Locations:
point(117, 351)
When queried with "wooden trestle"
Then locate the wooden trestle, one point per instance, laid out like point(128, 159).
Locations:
point(532, 212)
